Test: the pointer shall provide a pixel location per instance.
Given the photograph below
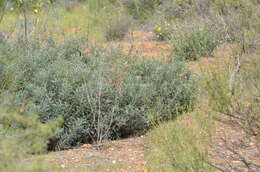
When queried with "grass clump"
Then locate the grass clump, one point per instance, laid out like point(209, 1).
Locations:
point(194, 42)
point(177, 146)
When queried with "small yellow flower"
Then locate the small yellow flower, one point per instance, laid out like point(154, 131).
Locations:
point(157, 28)
point(12, 9)
point(35, 11)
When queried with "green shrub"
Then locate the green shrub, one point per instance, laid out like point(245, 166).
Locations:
point(194, 42)
point(234, 94)
point(174, 9)
point(118, 27)
point(141, 9)
point(96, 94)
point(164, 89)
point(175, 146)
point(163, 32)
point(21, 135)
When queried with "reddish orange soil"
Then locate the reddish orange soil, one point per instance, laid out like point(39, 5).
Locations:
point(141, 42)
point(126, 154)
point(232, 150)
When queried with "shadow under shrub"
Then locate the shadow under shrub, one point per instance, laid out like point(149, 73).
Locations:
point(99, 95)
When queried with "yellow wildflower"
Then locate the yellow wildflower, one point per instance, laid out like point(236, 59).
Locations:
point(157, 28)
point(35, 11)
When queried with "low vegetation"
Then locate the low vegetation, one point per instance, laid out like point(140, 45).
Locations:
point(100, 95)
point(194, 42)
point(234, 96)
point(22, 134)
point(66, 88)
point(177, 146)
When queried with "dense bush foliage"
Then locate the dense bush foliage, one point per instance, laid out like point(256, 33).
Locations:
point(194, 42)
point(21, 135)
point(99, 94)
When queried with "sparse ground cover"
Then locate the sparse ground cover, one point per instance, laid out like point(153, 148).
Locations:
point(188, 85)
point(119, 155)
